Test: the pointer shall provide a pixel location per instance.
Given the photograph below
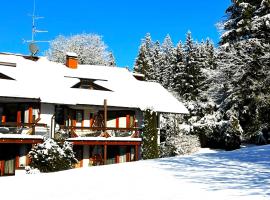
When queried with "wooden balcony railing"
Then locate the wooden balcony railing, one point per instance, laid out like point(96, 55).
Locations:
point(102, 131)
point(16, 128)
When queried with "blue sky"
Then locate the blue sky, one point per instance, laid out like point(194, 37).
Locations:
point(123, 24)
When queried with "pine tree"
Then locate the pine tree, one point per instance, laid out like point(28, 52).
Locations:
point(111, 60)
point(150, 145)
point(247, 19)
point(177, 69)
point(168, 57)
point(158, 63)
point(143, 63)
point(192, 76)
point(245, 56)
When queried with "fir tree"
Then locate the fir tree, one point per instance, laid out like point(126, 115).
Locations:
point(247, 19)
point(245, 61)
point(177, 69)
point(111, 60)
point(150, 145)
point(143, 63)
point(192, 75)
point(168, 57)
point(158, 63)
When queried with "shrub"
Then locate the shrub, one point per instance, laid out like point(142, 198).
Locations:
point(51, 156)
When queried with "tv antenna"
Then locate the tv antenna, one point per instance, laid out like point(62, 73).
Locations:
point(33, 48)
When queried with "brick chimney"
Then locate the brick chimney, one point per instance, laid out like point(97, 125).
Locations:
point(71, 60)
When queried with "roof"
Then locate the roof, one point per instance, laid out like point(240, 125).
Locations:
point(52, 83)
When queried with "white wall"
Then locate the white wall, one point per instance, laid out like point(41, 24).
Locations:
point(86, 155)
point(46, 113)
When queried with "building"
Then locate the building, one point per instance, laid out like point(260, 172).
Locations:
point(97, 108)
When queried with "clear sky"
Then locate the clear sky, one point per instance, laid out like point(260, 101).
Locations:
point(122, 23)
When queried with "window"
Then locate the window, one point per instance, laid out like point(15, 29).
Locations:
point(79, 116)
point(3, 76)
point(89, 84)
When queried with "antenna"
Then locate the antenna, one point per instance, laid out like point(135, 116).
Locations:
point(33, 46)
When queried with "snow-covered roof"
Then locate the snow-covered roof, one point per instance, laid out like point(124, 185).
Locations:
point(52, 83)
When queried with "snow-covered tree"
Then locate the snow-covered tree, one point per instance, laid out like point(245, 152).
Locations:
point(247, 19)
point(51, 156)
point(156, 71)
point(150, 146)
point(168, 57)
point(143, 62)
point(175, 139)
point(90, 49)
point(111, 60)
point(192, 75)
point(176, 82)
point(244, 62)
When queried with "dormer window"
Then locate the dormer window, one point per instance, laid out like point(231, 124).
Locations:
point(89, 84)
point(3, 76)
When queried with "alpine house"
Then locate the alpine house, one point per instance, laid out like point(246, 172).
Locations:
point(97, 108)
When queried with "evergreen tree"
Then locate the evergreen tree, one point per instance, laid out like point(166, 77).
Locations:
point(168, 57)
point(247, 19)
point(143, 63)
point(111, 60)
point(245, 56)
point(150, 145)
point(177, 69)
point(192, 75)
point(158, 63)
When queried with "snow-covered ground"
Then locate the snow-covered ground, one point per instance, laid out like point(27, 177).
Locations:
point(241, 174)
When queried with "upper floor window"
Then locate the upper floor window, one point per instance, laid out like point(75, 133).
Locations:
point(89, 84)
point(3, 76)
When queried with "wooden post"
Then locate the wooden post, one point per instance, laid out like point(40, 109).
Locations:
point(3, 119)
point(19, 117)
point(127, 121)
point(105, 114)
point(34, 125)
point(2, 167)
point(30, 115)
point(136, 152)
point(105, 154)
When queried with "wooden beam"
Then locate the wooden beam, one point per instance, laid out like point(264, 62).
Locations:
point(127, 121)
point(136, 152)
point(19, 117)
point(105, 154)
point(3, 119)
point(105, 114)
point(2, 167)
point(30, 115)
point(20, 141)
point(98, 142)
point(100, 128)
point(117, 122)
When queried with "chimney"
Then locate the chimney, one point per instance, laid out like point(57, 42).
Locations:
point(71, 60)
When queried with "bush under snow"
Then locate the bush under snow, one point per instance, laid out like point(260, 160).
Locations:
point(51, 156)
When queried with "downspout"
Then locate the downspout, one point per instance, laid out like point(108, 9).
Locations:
point(52, 126)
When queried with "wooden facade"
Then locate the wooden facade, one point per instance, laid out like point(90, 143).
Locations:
point(86, 123)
